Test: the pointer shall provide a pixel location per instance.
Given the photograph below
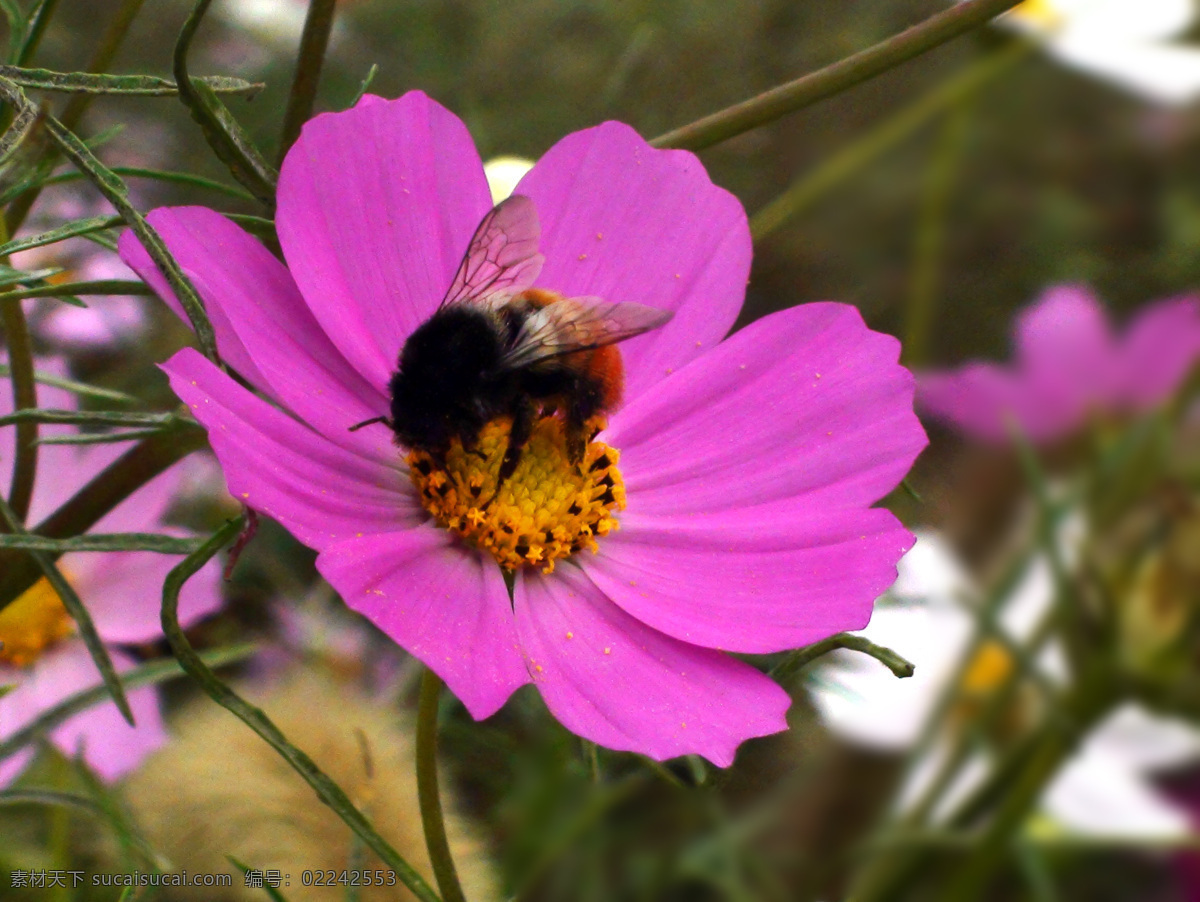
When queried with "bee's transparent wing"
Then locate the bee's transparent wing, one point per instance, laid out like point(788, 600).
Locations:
point(503, 257)
point(578, 324)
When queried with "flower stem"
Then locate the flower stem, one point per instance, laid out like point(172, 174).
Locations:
point(328, 791)
point(815, 184)
point(929, 237)
point(110, 43)
point(311, 56)
point(24, 389)
point(427, 789)
point(840, 76)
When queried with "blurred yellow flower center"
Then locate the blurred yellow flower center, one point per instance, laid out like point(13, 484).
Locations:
point(1040, 15)
point(991, 667)
point(548, 509)
point(32, 623)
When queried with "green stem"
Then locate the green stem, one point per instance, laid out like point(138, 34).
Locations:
point(432, 820)
point(38, 29)
point(110, 43)
point(815, 184)
point(840, 76)
point(1057, 742)
point(24, 389)
point(328, 791)
point(309, 60)
point(801, 658)
point(930, 235)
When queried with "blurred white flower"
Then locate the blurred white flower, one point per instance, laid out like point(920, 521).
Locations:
point(503, 175)
point(1104, 790)
point(1123, 41)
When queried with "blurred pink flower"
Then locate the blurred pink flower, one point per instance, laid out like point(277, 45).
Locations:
point(1069, 366)
point(749, 463)
point(107, 320)
point(42, 656)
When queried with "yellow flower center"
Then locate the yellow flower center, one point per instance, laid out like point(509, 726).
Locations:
point(988, 670)
point(1041, 16)
point(548, 509)
point(35, 621)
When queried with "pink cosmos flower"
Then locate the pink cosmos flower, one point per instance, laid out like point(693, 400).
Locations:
point(1069, 365)
point(749, 463)
point(42, 655)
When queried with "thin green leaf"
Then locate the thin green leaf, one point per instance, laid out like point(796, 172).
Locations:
point(20, 129)
point(90, 417)
point(176, 178)
point(35, 27)
point(70, 230)
point(104, 542)
point(330, 793)
point(47, 797)
point(144, 85)
point(149, 674)
point(272, 893)
point(67, 290)
point(79, 613)
point(10, 276)
point(802, 657)
point(222, 132)
point(101, 438)
point(366, 84)
point(16, 26)
point(256, 225)
point(117, 194)
point(79, 388)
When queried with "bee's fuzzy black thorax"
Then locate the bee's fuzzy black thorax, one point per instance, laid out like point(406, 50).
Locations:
point(444, 385)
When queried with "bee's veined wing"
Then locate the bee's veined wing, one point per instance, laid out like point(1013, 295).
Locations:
point(503, 257)
point(577, 324)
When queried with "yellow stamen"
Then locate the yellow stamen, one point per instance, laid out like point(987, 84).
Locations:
point(988, 670)
point(547, 510)
point(36, 620)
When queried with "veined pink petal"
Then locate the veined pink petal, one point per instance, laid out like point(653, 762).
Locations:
point(259, 302)
point(320, 491)
point(756, 579)
point(626, 222)
point(612, 679)
point(376, 207)
point(443, 603)
point(208, 284)
point(1158, 352)
point(805, 402)
point(110, 746)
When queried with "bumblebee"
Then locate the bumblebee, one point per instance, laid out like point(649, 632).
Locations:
point(497, 347)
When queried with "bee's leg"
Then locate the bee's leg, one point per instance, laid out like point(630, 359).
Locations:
point(518, 436)
point(582, 408)
point(371, 422)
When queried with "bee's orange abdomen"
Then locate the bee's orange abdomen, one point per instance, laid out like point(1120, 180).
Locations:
point(606, 368)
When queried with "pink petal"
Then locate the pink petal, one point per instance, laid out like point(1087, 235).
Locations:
point(110, 746)
point(626, 222)
point(616, 681)
point(208, 284)
point(317, 489)
point(757, 579)
point(123, 592)
point(986, 401)
point(443, 603)
point(377, 205)
point(806, 402)
point(1159, 350)
point(257, 299)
